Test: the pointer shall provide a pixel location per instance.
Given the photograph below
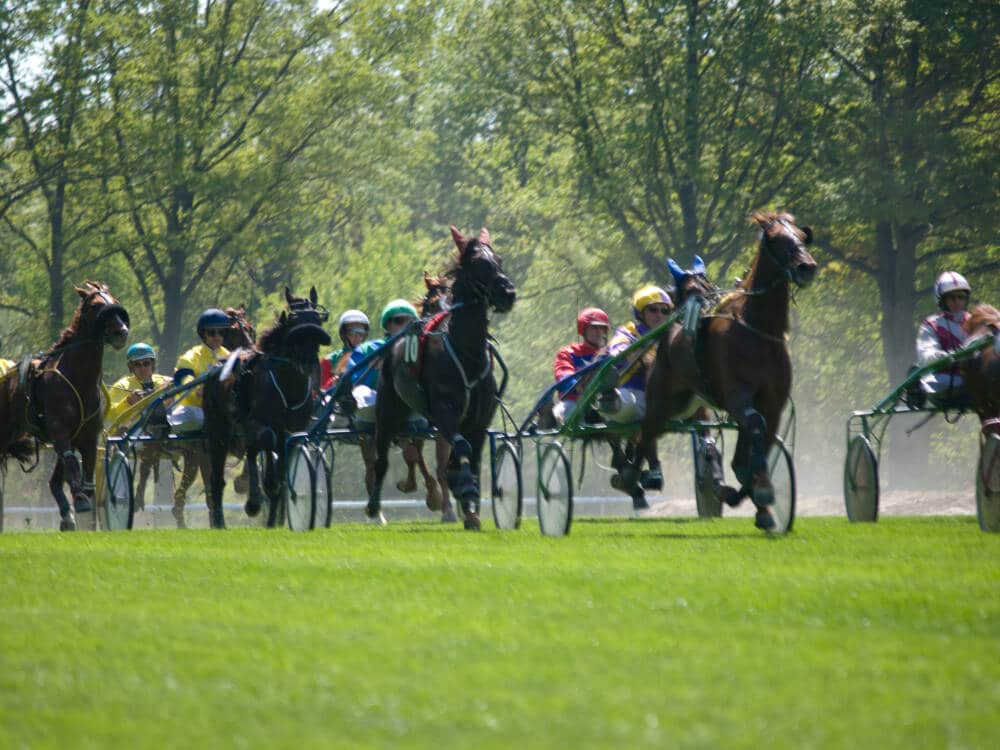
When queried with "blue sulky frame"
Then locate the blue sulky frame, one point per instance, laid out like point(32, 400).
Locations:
point(866, 430)
point(554, 472)
point(314, 451)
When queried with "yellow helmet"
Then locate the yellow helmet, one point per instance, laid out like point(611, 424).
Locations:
point(646, 296)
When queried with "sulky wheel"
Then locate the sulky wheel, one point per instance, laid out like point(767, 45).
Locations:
point(707, 500)
point(861, 480)
point(508, 491)
point(322, 479)
point(555, 491)
point(119, 502)
point(988, 485)
point(301, 503)
point(782, 472)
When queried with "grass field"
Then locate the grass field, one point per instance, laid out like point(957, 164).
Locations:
point(665, 633)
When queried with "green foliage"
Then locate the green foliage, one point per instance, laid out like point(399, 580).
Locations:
point(626, 634)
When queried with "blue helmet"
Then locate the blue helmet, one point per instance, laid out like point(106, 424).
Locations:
point(139, 351)
point(213, 318)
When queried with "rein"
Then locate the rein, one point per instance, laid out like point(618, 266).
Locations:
point(281, 393)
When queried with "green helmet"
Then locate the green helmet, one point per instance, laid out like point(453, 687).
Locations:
point(394, 308)
point(139, 351)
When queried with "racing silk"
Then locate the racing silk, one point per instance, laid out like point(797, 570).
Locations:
point(634, 376)
point(334, 363)
point(369, 378)
point(118, 393)
point(198, 359)
point(938, 335)
point(6, 365)
point(568, 360)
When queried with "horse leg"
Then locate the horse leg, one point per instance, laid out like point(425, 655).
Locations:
point(409, 483)
point(187, 479)
point(255, 498)
point(442, 451)
point(212, 463)
point(67, 521)
point(390, 413)
point(475, 462)
point(241, 484)
point(367, 447)
point(85, 494)
point(750, 462)
point(147, 459)
point(414, 457)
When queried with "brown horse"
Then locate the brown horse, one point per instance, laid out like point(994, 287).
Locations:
point(271, 393)
point(738, 361)
point(57, 399)
point(982, 372)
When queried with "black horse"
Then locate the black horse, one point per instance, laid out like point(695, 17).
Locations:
point(447, 376)
point(258, 399)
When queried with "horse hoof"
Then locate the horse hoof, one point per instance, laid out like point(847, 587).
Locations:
point(730, 496)
point(67, 523)
point(433, 497)
point(651, 480)
point(764, 520)
point(405, 486)
point(472, 522)
point(252, 506)
point(639, 502)
point(376, 520)
point(241, 485)
point(81, 503)
point(448, 515)
point(216, 519)
point(617, 482)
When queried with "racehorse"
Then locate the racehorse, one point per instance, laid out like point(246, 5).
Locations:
point(56, 398)
point(240, 334)
point(981, 373)
point(269, 393)
point(448, 378)
point(738, 361)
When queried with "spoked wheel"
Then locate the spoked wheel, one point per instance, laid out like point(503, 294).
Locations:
point(706, 498)
point(508, 491)
point(322, 483)
point(988, 485)
point(301, 503)
point(783, 480)
point(861, 481)
point(119, 502)
point(555, 491)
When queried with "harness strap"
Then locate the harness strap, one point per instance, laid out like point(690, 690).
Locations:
point(281, 393)
point(461, 370)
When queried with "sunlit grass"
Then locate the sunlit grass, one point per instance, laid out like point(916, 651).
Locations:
point(626, 634)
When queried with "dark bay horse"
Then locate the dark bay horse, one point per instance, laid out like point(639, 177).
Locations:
point(269, 393)
point(448, 378)
point(982, 372)
point(57, 399)
point(739, 361)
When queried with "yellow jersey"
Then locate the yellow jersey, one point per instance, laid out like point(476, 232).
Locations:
point(119, 392)
point(199, 359)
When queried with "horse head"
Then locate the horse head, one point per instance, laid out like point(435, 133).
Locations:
point(299, 333)
point(101, 315)
point(241, 334)
point(783, 245)
point(437, 297)
point(479, 276)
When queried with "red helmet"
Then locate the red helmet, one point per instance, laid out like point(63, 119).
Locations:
point(591, 316)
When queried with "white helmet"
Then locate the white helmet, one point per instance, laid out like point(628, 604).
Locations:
point(353, 316)
point(950, 281)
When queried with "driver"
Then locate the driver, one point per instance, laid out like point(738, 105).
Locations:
point(592, 325)
point(942, 333)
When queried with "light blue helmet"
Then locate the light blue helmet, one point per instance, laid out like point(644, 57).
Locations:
point(139, 351)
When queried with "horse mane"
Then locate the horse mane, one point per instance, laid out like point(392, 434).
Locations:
point(272, 338)
point(982, 316)
point(67, 333)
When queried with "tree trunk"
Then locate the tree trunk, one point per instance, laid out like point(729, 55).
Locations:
point(173, 312)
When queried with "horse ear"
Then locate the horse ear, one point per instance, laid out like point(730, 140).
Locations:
point(282, 318)
point(458, 237)
point(484, 237)
point(82, 292)
point(288, 296)
point(808, 232)
point(313, 297)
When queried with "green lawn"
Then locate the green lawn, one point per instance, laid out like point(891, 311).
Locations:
point(626, 634)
